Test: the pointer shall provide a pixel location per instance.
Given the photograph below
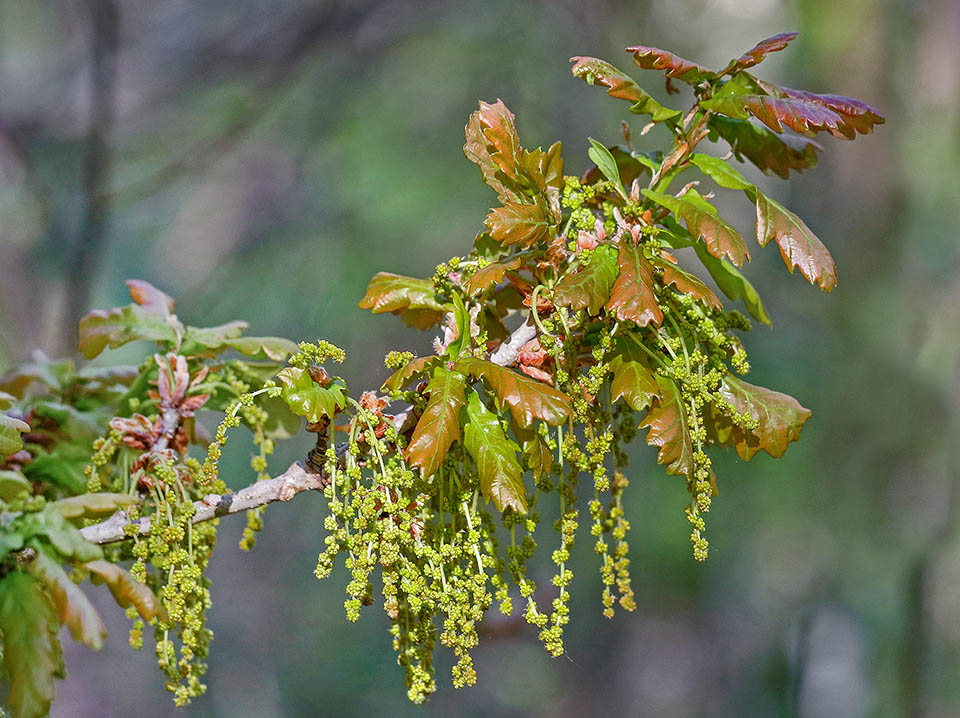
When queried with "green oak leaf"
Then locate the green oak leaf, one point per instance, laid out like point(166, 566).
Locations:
point(31, 650)
point(10, 430)
point(307, 398)
point(498, 471)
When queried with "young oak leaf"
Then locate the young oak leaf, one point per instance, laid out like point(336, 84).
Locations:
point(31, 651)
point(491, 274)
point(126, 590)
point(492, 144)
point(389, 292)
point(593, 70)
point(780, 418)
point(523, 224)
point(413, 299)
point(703, 222)
point(527, 398)
point(667, 422)
point(498, 471)
point(439, 426)
point(74, 608)
point(759, 52)
point(766, 150)
point(653, 58)
point(632, 378)
point(632, 297)
point(307, 398)
point(404, 374)
point(688, 283)
point(544, 168)
point(589, 287)
point(799, 246)
point(855, 116)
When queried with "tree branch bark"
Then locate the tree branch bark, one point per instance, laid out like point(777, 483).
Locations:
point(284, 487)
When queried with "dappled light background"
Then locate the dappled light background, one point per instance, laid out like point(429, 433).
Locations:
point(262, 159)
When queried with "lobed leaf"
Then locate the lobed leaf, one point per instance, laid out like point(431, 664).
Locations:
point(780, 416)
point(215, 337)
point(74, 608)
point(760, 51)
point(404, 374)
point(492, 144)
point(632, 297)
point(855, 116)
point(799, 246)
point(589, 287)
point(667, 422)
point(632, 378)
point(653, 58)
point(767, 151)
point(703, 222)
point(31, 651)
point(688, 283)
point(127, 591)
point(491, 274)
point(307, 398)
point(499, 473)
point(50, 525)
point(539, 457)
point(112, 328)
point(439, 426)
point(544, 168)
point(592, 70)
point(394, 292)
point(527, 398)
point(514, 223)
point(275, 348)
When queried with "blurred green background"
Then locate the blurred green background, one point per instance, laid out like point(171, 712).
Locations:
point(261, 159)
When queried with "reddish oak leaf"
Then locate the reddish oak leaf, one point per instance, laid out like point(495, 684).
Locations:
point(799, 246)
point(149, 297)
point(439, 426)
point(688, 284)
point(619, 85)
point(404, 374)
point(702, 220)
point(589, 287)
point(492, 144)
point(766, 150)
point(653, 58)
point(855, 116)
point(760, 51)
point(527, 398)
point(780, 419)
point(632, 296)
point(491, 274)
point(514, 223)
point(667, 422)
